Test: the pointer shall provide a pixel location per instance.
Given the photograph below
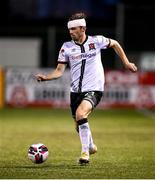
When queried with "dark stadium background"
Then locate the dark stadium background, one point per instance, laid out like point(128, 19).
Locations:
point(33, 18)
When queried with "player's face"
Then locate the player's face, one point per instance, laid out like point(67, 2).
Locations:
point(76, 33)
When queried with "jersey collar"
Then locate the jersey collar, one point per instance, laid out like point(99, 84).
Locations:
point(83, 41)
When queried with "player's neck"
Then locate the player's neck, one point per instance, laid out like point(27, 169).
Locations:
point(81, 39)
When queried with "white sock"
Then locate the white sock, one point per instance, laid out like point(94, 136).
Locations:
point(84, 133)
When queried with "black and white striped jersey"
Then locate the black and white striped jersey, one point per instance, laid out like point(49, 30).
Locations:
point(87, 73)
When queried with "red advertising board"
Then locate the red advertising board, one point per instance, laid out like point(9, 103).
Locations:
point(122, 89)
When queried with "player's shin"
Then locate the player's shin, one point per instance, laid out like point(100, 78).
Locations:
point(84, 133)
point(91, 143)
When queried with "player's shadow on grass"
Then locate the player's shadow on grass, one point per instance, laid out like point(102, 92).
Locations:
point(40, 166)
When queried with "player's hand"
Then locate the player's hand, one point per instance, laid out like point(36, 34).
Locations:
point(131, 66)
point(40, 77)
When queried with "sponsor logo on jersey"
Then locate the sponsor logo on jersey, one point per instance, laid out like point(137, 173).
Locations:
point(73, 50)
point(83, 56)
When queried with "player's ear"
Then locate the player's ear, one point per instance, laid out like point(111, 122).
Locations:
point(83, 28)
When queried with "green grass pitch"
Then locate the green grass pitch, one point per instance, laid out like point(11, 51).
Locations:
point(125, 140)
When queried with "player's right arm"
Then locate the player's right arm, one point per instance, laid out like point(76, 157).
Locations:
point(57, 73)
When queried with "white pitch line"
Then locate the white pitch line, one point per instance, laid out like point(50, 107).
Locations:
point(147, 113)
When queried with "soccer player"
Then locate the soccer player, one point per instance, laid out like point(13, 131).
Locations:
point(83, 54)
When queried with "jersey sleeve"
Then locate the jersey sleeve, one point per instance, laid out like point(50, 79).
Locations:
point(62, 57)
point(103, 42)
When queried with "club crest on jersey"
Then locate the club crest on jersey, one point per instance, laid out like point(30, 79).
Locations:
point(91, 46)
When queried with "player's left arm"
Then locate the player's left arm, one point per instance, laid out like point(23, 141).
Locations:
point(119, 50)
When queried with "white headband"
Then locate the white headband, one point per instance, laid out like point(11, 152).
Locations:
point(76, 23)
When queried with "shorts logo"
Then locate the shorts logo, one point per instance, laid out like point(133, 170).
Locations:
point(89, 94)
point(91, 46)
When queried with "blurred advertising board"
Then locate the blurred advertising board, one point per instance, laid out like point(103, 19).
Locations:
point(23, 90)
point(122, 89)
point(126, 89)
point(1, 88)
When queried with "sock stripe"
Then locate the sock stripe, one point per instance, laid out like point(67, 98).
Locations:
point(82, 121)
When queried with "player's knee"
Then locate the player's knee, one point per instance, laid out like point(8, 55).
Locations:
point(80, 114)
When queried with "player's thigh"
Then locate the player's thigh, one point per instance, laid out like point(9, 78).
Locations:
point(84, 109)
point(89, 102)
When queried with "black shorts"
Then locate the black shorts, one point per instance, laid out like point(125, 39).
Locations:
point(93, 97)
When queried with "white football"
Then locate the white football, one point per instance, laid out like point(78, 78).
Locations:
point(38, 153)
